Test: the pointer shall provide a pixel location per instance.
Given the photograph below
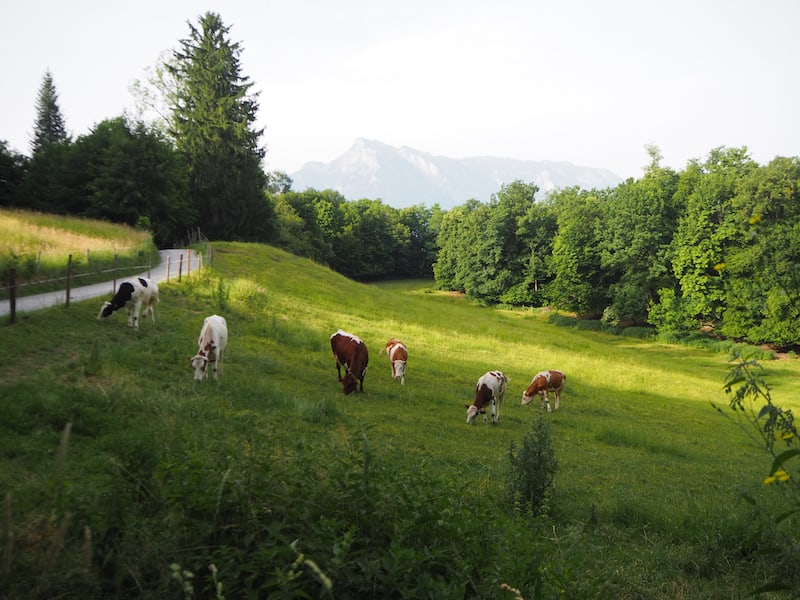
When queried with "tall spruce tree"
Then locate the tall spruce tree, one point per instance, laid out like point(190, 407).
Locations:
point(213, 116)
point(49, 127)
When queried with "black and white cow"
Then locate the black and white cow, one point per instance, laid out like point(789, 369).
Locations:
point(132, 295)
point(490, 390)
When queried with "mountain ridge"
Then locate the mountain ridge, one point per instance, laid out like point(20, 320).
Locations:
point(406, 176)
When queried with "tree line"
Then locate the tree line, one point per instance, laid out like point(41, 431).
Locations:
point(714, 246)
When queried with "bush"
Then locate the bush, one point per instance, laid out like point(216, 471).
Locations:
point(531, 472)
point(589, 325)
point(642, 333)
point(562, 320)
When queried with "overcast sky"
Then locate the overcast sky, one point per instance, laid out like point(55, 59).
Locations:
point(590, 82)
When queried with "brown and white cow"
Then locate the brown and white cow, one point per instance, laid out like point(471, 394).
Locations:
point(210, 347)
point(351, 353)
point(132, 295)
point(398, 356)
point(542, 383)
point(490, 391)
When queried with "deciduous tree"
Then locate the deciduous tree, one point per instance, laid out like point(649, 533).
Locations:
point(580, 284)
point(12, 173)
point(638, 222)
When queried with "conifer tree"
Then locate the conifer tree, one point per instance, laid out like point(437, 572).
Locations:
point(213, 116)
point(49, 127)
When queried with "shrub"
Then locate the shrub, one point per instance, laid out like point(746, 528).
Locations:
point(532, 470)
point(642, 333)
point(562, 320)
point(589, 325)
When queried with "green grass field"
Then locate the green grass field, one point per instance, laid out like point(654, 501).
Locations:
point(284, 484)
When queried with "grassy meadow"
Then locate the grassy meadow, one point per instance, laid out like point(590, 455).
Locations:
point(122, 477)
point(39, 245)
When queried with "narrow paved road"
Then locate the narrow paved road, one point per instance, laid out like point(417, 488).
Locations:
point(87, 292)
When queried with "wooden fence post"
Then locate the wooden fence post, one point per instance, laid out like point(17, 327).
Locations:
point(169, 259)
point(12, 294)
point(189, 262)
point(180, 268)
point(69, 279)
point(114, 285)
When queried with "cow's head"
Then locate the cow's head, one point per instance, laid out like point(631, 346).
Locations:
point(349, 383)
point(399, 369)
point(526, 399)
point(472, 412)
point(200, 364)
point(105, 310)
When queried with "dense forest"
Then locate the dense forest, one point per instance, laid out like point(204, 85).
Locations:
point(714, 247)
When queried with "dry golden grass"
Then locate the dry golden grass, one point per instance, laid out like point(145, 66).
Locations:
point(26, 232)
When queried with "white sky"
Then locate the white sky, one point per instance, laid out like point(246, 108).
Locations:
point(585, 81)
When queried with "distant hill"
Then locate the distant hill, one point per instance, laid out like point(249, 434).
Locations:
point(404, 176)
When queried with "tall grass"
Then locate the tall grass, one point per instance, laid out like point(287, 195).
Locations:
point(283, 484)
point(39, 245)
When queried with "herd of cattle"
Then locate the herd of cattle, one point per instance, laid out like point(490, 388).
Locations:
point(352, 355)
point(350, 352)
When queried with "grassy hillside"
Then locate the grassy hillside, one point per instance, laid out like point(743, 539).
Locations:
point(120, 473)
point(38, 245)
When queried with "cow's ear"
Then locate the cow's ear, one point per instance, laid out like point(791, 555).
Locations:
point(467, 405)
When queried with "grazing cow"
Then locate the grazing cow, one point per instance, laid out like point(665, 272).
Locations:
point(210, 347)
point(398, 355)
point(490, 390)
point(132, 295)
point(542, 383)
point(351, 353)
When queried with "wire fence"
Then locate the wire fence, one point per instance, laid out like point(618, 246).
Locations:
point(16, 290)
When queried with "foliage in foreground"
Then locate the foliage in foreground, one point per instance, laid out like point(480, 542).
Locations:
point(772, 425)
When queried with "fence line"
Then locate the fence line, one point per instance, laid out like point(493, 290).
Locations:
point(75, 276)
point(14, 286)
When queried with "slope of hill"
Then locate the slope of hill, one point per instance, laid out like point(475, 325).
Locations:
point(116, 465)
point(404, 176)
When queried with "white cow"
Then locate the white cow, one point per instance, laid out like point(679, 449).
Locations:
point(132, 295)
point(210, 347)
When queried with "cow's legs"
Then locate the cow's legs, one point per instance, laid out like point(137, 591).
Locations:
point(496, 417)
point(558, 398)
point(133, 314)
point(149, 309)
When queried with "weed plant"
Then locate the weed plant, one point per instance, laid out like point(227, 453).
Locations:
point(532, 470)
